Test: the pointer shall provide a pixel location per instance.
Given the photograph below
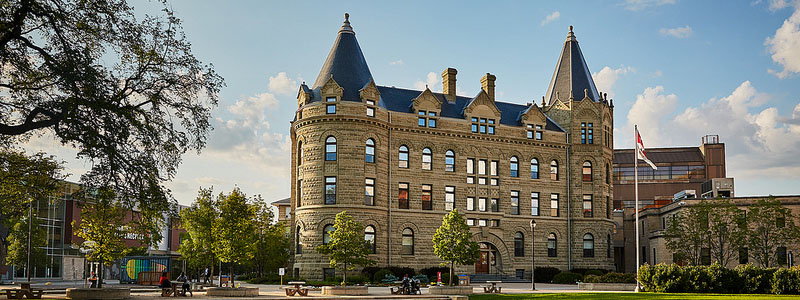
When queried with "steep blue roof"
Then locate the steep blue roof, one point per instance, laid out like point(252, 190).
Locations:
point(347, 65)
point(571, 74)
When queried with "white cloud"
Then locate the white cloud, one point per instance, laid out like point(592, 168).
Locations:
point(636, 5)
point(776, 5)
point(678, 32)
point(607, 77)
point(398, 62)
point(433, 82)
point(649, 111)
point(785, 44)
point(282, 84)
point(251, 111)
point(551, 17)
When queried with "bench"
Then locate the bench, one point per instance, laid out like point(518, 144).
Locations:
point(301, 291)
point(24, 293)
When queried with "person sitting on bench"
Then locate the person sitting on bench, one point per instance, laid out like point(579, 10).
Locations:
point(185, 286)
point(93, 280)
point(164, 284)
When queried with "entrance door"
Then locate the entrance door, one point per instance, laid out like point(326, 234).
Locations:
point(482, 265)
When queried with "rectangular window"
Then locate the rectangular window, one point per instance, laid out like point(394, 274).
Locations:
point(482, 167)
point(299, 193)
point(432, 123)
point(475, 128)
point(470, 203)
point(493, 181)
point(529, 134)
point(470, 166)
point(449, 197)
point(370, 112)
point(495, 205)
point(331, 109)
point(330, 190)
point(493, 168)
point(587, 206)
point(471, 179)
point(534, 203)
point(781, 255)
point(482, 204)
point(483, 128)
point(514, 202)
point(330, 99)
point(490, 130)
point(482, 222)
point(538, 132)
point(554, 205)
point(583, 133)
point(591, 133)
point(470, 222)
point(369, 191)
point(743, 256)
point(427, 201)
point(705, 256)
point(482, 180)
point(421, 121)
point(402, 195)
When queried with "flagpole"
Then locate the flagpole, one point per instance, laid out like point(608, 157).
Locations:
point(636, 201)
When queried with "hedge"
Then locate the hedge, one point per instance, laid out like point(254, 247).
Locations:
point(546, 274)
point(611, 278)
point(567, 278)
point(744, 279)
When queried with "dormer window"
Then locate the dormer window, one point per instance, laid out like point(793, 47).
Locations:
point(587, 133)
point(370, 108)
point(534, 131)
point(483, 125)
point(331, 106)
point(426, 119)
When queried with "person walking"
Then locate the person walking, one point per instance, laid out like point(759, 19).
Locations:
point(206, 274)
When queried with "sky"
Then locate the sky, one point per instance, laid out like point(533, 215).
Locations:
point(678, 69)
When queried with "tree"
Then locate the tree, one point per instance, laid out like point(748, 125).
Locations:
point(271, 240)
point(453, 243)
point(100, 229)
point(127, 93)
point(769, 226)
point(24, 178)
point(725, 225)
point(687, 233)
point(234, 229)
point(346, 247)
point(18, 244)
point(198, 220)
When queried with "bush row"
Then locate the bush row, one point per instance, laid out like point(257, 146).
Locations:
point(744, 279)
point(610, 278)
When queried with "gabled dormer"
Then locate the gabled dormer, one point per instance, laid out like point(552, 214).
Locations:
point(304, 95)
point(331, 94)
point(428, 109)
point(533, 121)
point(483, 114)
point(370, 93)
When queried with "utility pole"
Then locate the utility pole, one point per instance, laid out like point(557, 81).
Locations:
point(30, 230)
point(533, 255)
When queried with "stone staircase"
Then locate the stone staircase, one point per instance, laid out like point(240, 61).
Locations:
point(482, 278)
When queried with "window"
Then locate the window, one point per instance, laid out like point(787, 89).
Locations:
point(426, 119)
point(552, 242)
point(514, 202)
point(470, 203)
point(474, 125)
point(608, 208)
point(482, 167)
point(514, 167)
point(588, 245)
point(369, 237)
point(554, 170)
point(482, 222)
point(608, 246)
point(534, 203)
point(370, 108)
point(705, 256)
point(427, 157)
point(431, 121)
point(299, 153)
point(370, 151)
point(326, 234)
point(330, 148)
point(780, 222)
point(587, 206)
point(539, 132)
point(427, 202)
point(369, 191)
point(470, 222)
point(591, 133)
point(330, 190)
point(529, 131)
point(519, 244)
point(587, 171)
point(449, 161)
point(470, 166)
point(403, 162)
point(493, 167)
point(495, 205)
point(781, 255)
point(534, 168)
point(493, 181)
point(743, 256)
point(299, 193)
point(608, 175)
point(408, 242)
point(470, 179)
point(482, 180)
point(298, 242)
point(554, 205)
point(483, 125)
point(402, 195)
point(331, 109)
point(482, 204)
point(449, 197)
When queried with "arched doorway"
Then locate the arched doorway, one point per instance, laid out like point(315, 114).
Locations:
point(488, 258)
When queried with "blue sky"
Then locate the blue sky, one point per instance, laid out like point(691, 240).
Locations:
point(678, 69)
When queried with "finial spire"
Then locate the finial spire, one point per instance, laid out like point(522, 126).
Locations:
point(571, 35)
point(346, 28)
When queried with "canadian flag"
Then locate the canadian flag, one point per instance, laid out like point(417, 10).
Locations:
point(640, 151)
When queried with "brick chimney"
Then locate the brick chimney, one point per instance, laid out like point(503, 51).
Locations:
point(449, 84)
point(487, 84)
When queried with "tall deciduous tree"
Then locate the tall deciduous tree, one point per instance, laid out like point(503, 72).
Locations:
point(346, 247)
point(687, 233)
point(18, 244)
point(769, 226)
point(272, 243)
point(726, 232)
point(198, 220)
point(100, 228)
point(234, 229)
point(452, 242)
point(24, 178)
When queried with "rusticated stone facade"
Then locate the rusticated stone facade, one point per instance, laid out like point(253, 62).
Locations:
point(472, 129)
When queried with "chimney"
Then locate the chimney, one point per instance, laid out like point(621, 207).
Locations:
point(487, 84)
point(449, 84)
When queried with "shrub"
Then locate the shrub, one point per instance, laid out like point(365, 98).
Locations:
point(723, 280)
point(611, 278)
point(370, 271)
point(592, 279)
point(432, 272)
point(356, 279)
point(423, 279)
point(746, 279)
point(754, 280)
point(381, 274)
point(400, 271)
point(646, 278)
point(593, 272)
point(546, 274)
point(667, 279)
point(567, 278)
point(786, 281)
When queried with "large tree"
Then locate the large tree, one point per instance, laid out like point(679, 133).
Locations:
point(122, 88)
point(769, 226)
point(18, 244)
point(687, 233)
point(346, 247)
point(726, 230)
point(453, 242)
point(100, 228)
point(23, 178)
point(271, 238)
point(198, 220)
point(234, 230)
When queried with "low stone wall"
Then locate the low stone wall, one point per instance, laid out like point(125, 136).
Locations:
point(232, 292)
point(98, 294)
point(450, 290)
point(345, 290)
point(606, 286)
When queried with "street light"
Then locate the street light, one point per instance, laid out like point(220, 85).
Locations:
point(533, 256)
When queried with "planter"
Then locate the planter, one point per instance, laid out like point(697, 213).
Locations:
point(345, 290)
point(98, 294)
point(232, 292)
point(450, 290)
point(606, 286)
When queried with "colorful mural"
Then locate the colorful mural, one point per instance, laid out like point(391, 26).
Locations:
point(133, 265)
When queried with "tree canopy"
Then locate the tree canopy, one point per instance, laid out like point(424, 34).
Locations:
point(234, 229)
point(24, 178)
point(100, 229)
point(769, 226)
point(346, 247)
point(18, 244)
point(272, 244)
point(453, 242)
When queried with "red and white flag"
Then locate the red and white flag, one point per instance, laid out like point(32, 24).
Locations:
point(640, 151)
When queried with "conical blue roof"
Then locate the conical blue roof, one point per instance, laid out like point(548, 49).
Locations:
point(346, 64)
point(571, 74)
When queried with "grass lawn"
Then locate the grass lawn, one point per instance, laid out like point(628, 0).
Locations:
point(624, 296)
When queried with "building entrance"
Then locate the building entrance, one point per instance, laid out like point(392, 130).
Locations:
point(487, 258)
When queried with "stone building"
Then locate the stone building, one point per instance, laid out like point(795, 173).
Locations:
point(398, 160)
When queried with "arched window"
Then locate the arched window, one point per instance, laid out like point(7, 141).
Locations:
point(554, 170)
point(326, 234)
point(608, 175)
point(608, 246)
point(369, 237)
point(514, 167)
point(534, 168)
point(330, 148)
point(588, 245)
point(587, 171)
point(552, 242)
point(519, 244)
point(370, 151)
point(298, 243)
point(449, 161)
point(403, 156)
point(408, 242)
point(427, 157)
point(299, 153)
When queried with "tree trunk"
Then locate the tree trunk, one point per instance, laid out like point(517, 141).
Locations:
point(231, 275)
point(344, 275)
point(100, 272)
point(451, 274)
point(211, 276)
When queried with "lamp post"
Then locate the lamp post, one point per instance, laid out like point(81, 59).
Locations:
point(533, 256)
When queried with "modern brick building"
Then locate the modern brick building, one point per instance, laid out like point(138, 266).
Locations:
point(398, 160)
